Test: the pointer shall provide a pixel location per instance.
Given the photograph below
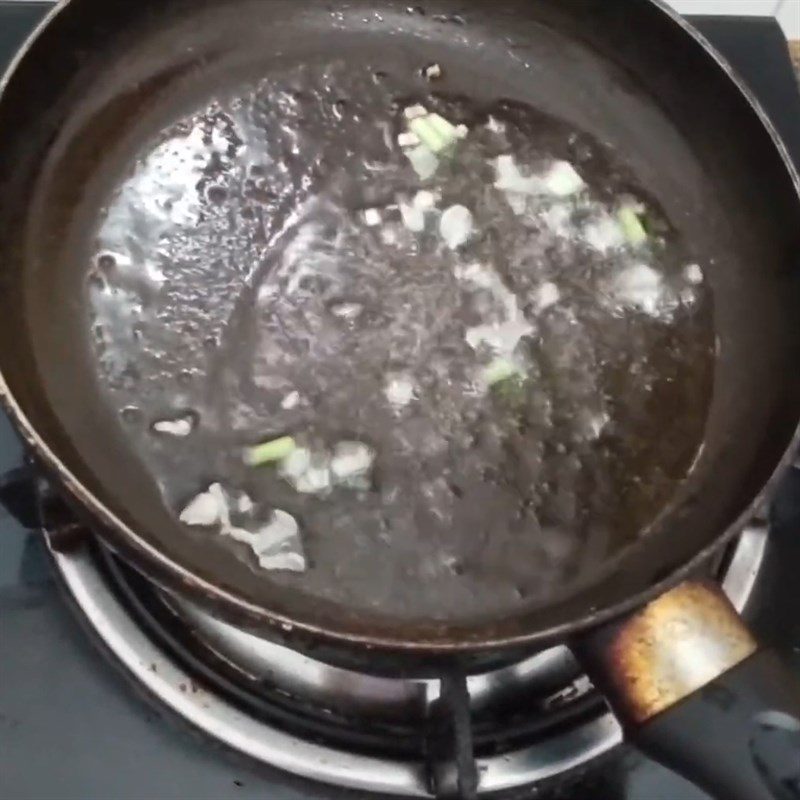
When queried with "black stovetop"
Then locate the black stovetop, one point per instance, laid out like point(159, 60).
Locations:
point(71, 727)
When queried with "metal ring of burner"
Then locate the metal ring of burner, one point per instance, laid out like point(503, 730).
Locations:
point(153, 667)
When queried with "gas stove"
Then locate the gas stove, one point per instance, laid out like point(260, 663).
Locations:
point(111, 689)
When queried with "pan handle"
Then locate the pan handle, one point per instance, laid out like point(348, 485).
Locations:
point(694, 691)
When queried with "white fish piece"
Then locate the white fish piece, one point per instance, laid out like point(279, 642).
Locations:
point(425, 200)
point(456, 226)
point(562, 180)
point(315, 480)
point(597, 424)
point(222, 499)
point(518, 202)
point(508, 178)
point(413, 217)
point(351, 459)
point(399, 391)
point(547, 295)
point(502, 336)
point(277, 544)
point(295, 464)
point(432, 72)
point(244, 505)
point(558, 218)
point(237, 534)
point(423, 161)
point(289, 562)
point(206, 509)
point(640, 286)
point(495, 126)
point(372, 217)
point(415, 112)
point(407, 139)
point(604, 234)
point(693, 274)
point(413, 213)
point(347, 311)
point(179, 426)
point(282, 526)
point(292, 400)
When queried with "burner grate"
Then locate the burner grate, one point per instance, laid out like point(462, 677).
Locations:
point(531, 722)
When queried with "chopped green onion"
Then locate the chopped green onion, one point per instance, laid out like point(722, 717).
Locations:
point(631, 225)
point(429, 134)
point(435, 132)
point(443, 127)
point(268, 452)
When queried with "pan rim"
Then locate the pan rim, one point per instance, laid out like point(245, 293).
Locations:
point(173, 575)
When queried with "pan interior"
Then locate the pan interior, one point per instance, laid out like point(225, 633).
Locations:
point(224, 271)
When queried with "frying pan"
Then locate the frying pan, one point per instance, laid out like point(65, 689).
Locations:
point(673, 657)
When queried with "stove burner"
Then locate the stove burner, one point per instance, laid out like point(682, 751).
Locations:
point(532, 722)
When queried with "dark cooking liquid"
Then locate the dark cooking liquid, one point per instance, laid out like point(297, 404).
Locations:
point(235, 267)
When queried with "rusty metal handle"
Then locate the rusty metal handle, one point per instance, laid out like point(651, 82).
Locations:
point(694, 691)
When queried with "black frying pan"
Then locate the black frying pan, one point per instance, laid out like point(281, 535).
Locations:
point(97, 83)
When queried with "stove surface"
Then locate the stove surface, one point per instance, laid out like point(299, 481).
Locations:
point(72, 726)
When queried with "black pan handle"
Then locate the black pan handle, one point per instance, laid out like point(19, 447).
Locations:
point(694, 691)
point(738, 737)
